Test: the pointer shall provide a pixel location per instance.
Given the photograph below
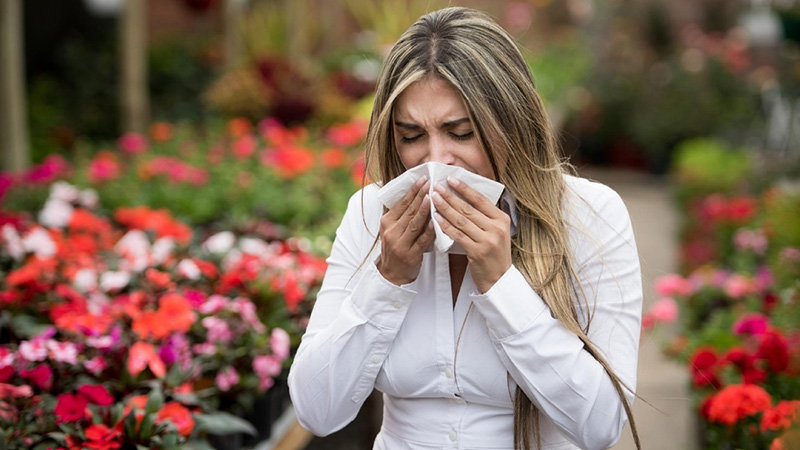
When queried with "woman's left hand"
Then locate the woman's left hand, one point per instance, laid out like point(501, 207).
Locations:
point(480, 227)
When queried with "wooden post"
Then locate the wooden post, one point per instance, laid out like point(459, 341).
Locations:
point(13, 111)
point(134, 100)
point(234, 12)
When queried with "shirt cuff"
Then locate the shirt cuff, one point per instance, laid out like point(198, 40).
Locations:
point(383, 303)
point(509, 306)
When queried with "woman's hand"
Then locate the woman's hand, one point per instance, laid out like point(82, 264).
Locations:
point(481, 228)
point(405, 234)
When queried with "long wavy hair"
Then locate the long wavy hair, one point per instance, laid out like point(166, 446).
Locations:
point(482, 62)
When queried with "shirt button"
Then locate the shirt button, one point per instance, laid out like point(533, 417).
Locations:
point(376, 359)
point(452, 435)
point(398, 305)
point(448, 372)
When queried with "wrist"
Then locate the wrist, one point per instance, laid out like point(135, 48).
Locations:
point(390, 276)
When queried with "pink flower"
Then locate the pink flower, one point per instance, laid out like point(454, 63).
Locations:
point(132, 143)
point(754, 324)
point(739, 286)
point(245, 146)
point(104, 167)
point(56, 213)
point(33, 351)
point(95, 365)
point(753, 240)
point(53, 166)
point(218, 330)
point(763, 279)
point(13, 242)
point(66, 352)
point(6, 357)
point(247, 310)
point(227, 378)
point(213, 304)
point(267, 366)
point(672, 284)
point(664, 310)
point(279, 343)
point(206, 348)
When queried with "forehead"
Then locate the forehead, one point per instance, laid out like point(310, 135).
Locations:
point(429, 99)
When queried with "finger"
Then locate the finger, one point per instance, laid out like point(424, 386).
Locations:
point(406, 202)
point(459, 213)
point(475, 198)
point(416, 225)
point(425, 239)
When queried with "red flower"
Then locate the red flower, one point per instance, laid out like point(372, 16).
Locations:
point(178, 415)
point(704, 363)
point(781, 416)
point(100, 437)
point(737, 401)
point(159, 279)
point(41, 376)
point(96, 393)
point(289, 162)
point(70, 407)
point(775, 350)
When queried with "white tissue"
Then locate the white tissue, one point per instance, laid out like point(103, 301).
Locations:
point(395, 190)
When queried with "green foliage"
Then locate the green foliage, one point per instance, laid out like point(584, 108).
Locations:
point(703, 166)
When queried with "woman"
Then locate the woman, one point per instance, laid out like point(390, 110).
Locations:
point(529, 340)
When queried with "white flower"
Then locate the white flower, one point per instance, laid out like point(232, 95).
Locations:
point(61, 190)
point(231, 259)
point(135, 248)
point(219, 243)
point(114, 281)
point(162, 248)
point(187, 268)
point(14, 245)
point(85, 280)
point(97, 303)
point(38, 241)
point(56, 213)
point(89, 198)
point(254, 246)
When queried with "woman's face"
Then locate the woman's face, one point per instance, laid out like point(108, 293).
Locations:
point(431, 124)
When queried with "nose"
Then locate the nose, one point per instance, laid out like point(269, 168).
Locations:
point(439, 150)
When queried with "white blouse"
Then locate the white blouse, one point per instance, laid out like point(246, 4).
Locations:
point(449, 374)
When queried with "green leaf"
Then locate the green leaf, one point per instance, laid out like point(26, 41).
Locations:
point(130, 424)
point(154, 401)
point(147, 426)
point(222, 423)
point(26, 326)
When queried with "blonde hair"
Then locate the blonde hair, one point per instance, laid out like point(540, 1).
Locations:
point(481, 60)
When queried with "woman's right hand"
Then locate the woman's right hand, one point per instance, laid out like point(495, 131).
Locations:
point(406, 231)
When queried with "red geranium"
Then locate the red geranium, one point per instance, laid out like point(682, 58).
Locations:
point(41, 376)
point(704, 363)
point(775, 350)
point(737, 401)
point(781, 416)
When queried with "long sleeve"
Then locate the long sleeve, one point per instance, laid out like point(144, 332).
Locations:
point(549, 362)
point(355, 319)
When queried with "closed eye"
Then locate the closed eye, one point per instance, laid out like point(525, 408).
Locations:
point(462, 137)
point(408, 140)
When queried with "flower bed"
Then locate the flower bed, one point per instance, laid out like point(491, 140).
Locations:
point(128, 329)
point(737, 299)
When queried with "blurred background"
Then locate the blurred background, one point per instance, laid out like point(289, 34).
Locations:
point(243, 121)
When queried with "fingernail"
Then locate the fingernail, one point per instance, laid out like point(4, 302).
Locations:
point(437, 198)
point(440, 188)
point(426, 199)
point(420, 181)
point(438, 217)
point(453, 181)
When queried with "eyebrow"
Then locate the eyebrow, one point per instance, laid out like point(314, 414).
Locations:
point(448, 124)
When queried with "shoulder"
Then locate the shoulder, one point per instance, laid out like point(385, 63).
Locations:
point(364, 209)
point(588, 201)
